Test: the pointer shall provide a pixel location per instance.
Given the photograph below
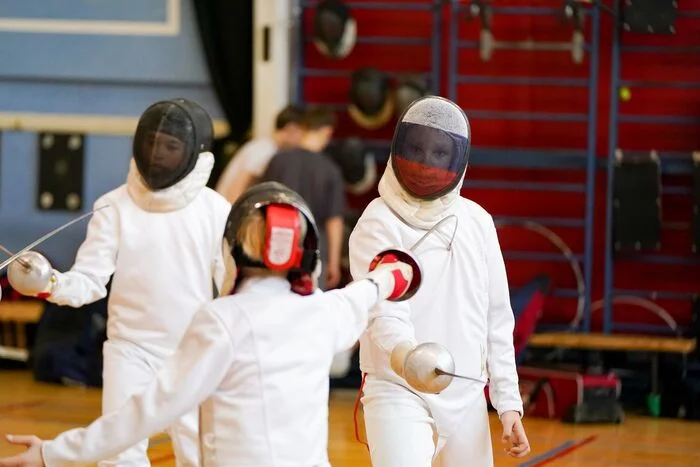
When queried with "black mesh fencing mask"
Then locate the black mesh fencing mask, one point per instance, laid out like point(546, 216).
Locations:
point(430, 150)
point(408, 90)
point(371, 98)
point(169, 138)
point(335, 30)
point(357, 164)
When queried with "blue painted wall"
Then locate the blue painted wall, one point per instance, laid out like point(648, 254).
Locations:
point(85, 74)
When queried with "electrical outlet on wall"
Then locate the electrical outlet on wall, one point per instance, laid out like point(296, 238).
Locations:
point(61, 161)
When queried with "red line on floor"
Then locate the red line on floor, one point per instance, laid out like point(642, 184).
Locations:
point(21, 405)
point(565, 452)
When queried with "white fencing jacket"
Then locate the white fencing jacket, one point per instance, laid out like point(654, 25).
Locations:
point(164, 249)
point(463, 303)
point(258, 363)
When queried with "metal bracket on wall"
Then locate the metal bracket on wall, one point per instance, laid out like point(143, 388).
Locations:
point(61, 168)
point(573, 13)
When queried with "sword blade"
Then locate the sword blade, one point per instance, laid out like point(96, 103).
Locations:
point(48, 235)
point(469, 378)
point(9, 253)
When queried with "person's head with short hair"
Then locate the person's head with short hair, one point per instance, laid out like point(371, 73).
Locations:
point(319, 124)
point(288, 127)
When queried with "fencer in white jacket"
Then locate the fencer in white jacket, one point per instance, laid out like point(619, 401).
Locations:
point(463, 304)
point(257, 361)
point(159, 239)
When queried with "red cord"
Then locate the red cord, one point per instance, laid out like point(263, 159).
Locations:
point(357, 408)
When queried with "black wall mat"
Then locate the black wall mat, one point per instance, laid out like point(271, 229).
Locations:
point(637, 202)
point(61, 162)
point(650, 16)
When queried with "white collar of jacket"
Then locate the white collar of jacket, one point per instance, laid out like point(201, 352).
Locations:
point(416, 212)
point(264, 284)
point(172, 198)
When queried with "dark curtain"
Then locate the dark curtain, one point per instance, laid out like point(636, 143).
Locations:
point(226, 32)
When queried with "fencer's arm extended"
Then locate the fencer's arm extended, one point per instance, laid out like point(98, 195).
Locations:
point(86, 282)
point(349, 308)
point(190, 376)
point(389, 322)
point(503, 385)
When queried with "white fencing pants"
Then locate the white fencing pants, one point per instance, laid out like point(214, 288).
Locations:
point(127, 369)
point(401, 431)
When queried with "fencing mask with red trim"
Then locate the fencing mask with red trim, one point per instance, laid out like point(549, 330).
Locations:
point(430, 149)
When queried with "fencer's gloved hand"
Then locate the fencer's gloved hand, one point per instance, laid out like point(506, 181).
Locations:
point(32, 275)
point(392, 278)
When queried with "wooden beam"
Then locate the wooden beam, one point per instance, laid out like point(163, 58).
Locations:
point(616, 342)
point(76, 123)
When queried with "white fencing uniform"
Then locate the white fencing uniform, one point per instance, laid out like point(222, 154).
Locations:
point(257, 362)
point(164, 250)
point(463, 304)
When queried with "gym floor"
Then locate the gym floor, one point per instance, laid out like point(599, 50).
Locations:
point(46, 410)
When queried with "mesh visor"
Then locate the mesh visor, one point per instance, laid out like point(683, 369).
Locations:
point(334, 29)
point(428, 162)
point(331, 27)
point(164, 145)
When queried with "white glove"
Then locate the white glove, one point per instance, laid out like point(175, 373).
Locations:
point(392, 279)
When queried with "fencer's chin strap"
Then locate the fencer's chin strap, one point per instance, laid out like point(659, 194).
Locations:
point(416, 212)
point(172, 198)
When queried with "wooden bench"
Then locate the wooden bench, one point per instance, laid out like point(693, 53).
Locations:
point(655, 345)
point(19, 314)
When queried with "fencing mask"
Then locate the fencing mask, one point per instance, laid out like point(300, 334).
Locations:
point(357, 163)
point(335, 31)
point(169, 138)
point(371, 98)
point(430, 149)
point(409, 89)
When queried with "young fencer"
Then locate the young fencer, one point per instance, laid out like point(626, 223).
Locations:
point(255, 361)
point(159, 239)
point(463, 305)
